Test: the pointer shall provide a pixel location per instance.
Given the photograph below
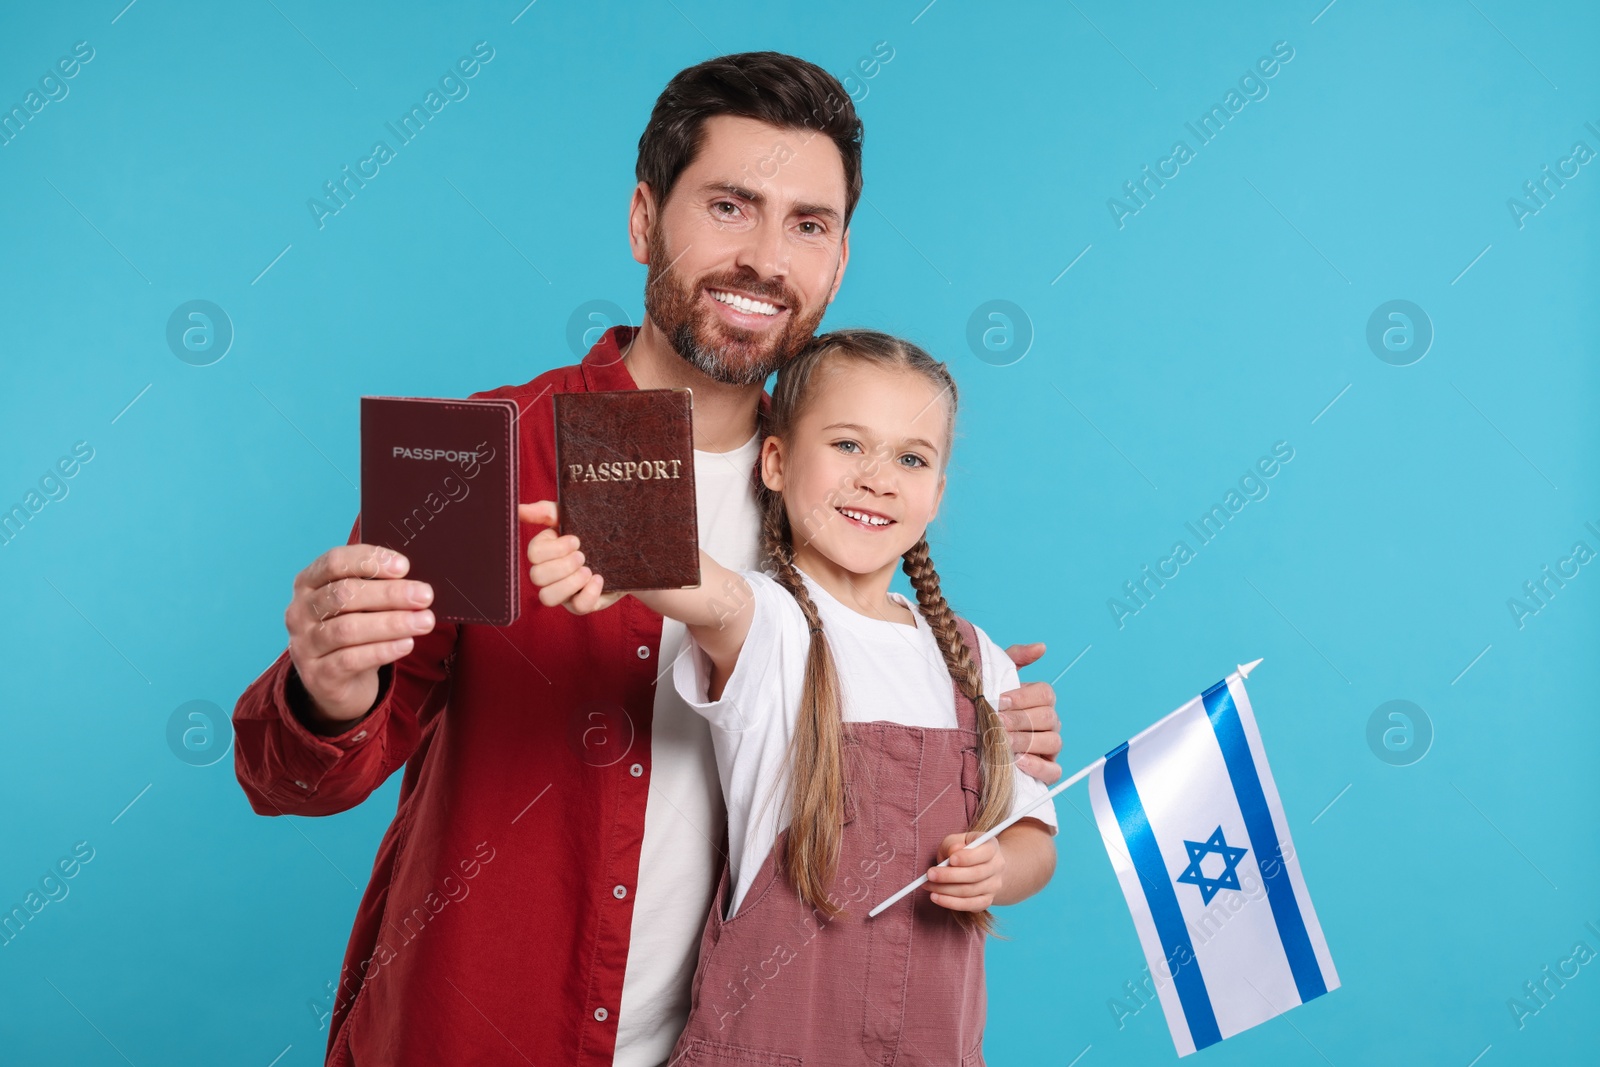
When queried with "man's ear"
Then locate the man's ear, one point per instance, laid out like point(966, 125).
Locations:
point(844, 259)
point(772, 463)
point(641, 217)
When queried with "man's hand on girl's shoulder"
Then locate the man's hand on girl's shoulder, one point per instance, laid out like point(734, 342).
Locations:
point(1029, 714)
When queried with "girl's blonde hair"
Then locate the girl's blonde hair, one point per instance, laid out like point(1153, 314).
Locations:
point(815, 753)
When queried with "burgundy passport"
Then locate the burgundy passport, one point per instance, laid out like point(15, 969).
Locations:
point(625, 485)
point(439, 486)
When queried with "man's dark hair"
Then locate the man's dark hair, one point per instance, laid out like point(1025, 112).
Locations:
point(771, 87)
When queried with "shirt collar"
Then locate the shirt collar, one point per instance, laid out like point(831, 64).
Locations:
point(603, 369)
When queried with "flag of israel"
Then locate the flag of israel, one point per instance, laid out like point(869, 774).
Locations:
point(1193, 825)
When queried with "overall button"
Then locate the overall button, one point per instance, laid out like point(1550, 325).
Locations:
point(619, 891)
point(600, 1015)
point(636, 770)
point(644, 651)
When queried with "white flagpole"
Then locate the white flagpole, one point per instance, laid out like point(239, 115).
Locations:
point(989, 835)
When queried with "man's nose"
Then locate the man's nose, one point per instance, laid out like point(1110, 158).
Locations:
point(766, 250)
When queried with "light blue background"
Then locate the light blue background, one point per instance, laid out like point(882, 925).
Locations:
point(1224, 317)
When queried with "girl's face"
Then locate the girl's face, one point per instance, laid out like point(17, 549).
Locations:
point(862, 473)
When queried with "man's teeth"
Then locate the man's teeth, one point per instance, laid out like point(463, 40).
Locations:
point(744, 303)
point(861, 516)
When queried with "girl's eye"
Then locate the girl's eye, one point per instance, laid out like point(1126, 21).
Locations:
point(918, 461)
point(846, 446)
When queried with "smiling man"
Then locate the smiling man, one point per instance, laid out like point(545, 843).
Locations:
point(541, 892)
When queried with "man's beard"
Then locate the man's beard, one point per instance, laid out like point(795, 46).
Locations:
point(725, 354)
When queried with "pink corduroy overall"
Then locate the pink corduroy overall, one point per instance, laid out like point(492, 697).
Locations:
point(781, 984)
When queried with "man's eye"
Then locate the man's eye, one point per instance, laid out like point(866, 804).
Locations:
point(816, 228)
point(732, 208)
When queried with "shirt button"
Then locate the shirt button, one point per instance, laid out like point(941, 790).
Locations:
point(362, 736)
point(636, 770)
point(301, 784)
point(600, 1015)
point(619, 891)
point(644, 651)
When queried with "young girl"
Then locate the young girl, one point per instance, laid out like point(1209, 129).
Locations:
point(855, 736)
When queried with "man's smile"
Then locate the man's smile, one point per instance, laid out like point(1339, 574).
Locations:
point(743, 310)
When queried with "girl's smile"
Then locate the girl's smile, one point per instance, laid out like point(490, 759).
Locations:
point(867, 520)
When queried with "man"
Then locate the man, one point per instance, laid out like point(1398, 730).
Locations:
point(541, 892)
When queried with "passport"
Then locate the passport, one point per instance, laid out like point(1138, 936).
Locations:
point(439, 485)
point(625, 485)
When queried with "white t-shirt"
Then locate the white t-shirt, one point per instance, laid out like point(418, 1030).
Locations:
point(888, 671)
point(681, 855)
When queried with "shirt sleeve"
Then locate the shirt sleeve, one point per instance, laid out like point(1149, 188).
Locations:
point(751, 696)
point(1000, 676)
point(286, 769)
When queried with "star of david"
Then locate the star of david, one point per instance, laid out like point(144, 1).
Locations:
point(1199, 850)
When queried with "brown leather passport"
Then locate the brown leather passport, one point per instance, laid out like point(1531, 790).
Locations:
point(439, 485)
point(625, 485)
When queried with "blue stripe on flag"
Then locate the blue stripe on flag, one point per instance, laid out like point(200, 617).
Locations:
point(1163, 902)
point(1264, 839)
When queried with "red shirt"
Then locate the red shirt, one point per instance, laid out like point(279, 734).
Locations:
point(495, 926)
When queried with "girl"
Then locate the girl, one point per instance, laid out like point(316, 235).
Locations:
point(855, 738)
